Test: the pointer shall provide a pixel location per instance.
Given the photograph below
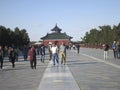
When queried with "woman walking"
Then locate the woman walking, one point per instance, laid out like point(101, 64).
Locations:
point(32, 55)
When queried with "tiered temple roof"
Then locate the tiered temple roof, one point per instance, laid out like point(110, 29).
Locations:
point(56, 29)
point(56, 34)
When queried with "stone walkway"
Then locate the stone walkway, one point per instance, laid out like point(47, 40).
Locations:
point(58, 78)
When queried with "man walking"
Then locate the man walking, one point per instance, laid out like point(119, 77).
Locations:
point(63, 53)
point(114, 47)
point(25, 52)
point(78, 48)
point(42, 53)
point(54, 51)
point(13, 56)
point(49, 48)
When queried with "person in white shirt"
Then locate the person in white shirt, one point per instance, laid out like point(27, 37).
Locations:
point(54, 50)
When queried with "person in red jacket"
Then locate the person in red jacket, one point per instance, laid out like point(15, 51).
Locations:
point(32, 55)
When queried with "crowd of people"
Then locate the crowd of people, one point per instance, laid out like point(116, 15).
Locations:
point(12, 53)
point(116, 50)
point(56, 52)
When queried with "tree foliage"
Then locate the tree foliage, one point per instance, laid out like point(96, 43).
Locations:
point(104, 34)
point(15, 37)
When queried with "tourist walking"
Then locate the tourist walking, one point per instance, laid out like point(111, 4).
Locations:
point(78, 48)
point(9, 49)
point(12, 56)
point(62, 51)
point(1, 57)
point(118, 50)
point(49, 48)
point(25, 52)
point(32, 55)
point(114, 47)
point(54, 51)
point(17, 53)
point(42, 53)
point(38, 50)
point(106, 48)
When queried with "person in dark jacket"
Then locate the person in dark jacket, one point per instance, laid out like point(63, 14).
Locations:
point(13, 56)
point(78, 48)
point(114, 47)
point(25, 52)
point(1, 57)
point(42, 53)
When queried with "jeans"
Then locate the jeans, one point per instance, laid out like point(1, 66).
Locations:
point(42, 58)
point(55, 57)
point(115, 53)
point(118, 54)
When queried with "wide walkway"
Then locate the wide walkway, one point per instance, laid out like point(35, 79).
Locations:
point(84, 71)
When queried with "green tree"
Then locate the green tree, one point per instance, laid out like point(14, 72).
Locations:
point(17, 37)
point(105, 34)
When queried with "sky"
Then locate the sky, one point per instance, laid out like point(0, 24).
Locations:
point(75, 17)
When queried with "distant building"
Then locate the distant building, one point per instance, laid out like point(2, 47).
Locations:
point(56, 35)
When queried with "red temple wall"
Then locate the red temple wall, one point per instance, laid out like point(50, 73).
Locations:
point(66, 42)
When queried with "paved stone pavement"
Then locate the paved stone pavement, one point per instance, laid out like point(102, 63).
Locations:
point(92, 72)
point(88, 69)
point(22, 77)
